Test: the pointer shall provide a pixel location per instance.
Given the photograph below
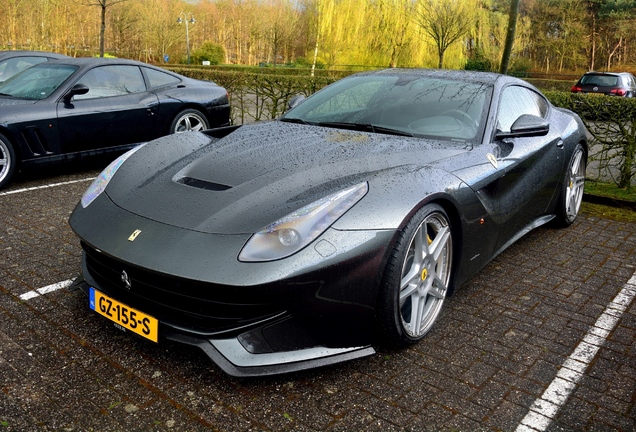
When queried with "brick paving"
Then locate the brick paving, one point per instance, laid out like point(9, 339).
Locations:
point(495, 349)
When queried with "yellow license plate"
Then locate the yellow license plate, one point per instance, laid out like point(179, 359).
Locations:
point(130, 319)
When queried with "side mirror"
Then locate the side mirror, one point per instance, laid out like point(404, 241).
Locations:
point(527, 125)
point(295, 101)
point(77, 89)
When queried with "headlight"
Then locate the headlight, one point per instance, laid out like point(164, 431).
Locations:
point(293, 232)
point(100, 183)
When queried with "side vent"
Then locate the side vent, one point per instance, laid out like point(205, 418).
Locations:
point(202, 184)
point(35, 141)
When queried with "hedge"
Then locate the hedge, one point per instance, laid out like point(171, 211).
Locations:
point(256, 96)
point(611, 122)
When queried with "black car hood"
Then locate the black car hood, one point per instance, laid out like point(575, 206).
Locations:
point(259, 173)
point(10, 101)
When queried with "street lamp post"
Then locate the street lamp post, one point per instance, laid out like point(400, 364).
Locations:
point(186, 20)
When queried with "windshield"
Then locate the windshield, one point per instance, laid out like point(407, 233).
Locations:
point(600, 80)
point(38, 82)
point(405, 104)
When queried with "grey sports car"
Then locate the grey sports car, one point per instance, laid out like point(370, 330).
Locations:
point(340, 227)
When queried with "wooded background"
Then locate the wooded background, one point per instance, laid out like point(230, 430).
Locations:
point(553, 36)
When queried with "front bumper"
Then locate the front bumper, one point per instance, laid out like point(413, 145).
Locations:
point(312, 309)
point(276, 346)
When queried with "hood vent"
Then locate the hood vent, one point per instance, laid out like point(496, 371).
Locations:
point(202, 184)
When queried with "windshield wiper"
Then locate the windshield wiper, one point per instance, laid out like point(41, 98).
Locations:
point(6, 94)
point(366, 127)
point(295, 120)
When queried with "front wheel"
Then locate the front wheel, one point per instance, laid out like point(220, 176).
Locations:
point(189, 120)
point(571, 195)
point(8, 161)
point(417, 278)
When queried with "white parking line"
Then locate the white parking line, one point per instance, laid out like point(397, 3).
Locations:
point(45, 186)
point(45, 290)
point(544, 410)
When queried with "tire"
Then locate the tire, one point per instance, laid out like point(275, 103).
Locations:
point(411, 284)
point(8, 161)
point(572, 188)
point(189, 120)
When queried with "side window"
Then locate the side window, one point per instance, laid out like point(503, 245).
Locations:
point(515, 101)
point(112, 80)
point(159, 79)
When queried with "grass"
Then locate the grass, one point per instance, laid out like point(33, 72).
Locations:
point(623, 201)
point(609, 212)
point(610, 190)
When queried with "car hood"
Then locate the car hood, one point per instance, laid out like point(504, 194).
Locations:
point(259, 173)
point(9, 101)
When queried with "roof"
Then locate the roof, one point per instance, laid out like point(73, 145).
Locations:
point(25, 53)
point(462, 75)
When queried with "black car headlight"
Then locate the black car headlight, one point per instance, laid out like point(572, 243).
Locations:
point(293, 232)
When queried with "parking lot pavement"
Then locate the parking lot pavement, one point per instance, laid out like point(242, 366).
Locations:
point(544, 338)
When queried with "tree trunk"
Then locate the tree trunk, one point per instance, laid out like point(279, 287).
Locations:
point(510, 36)
point(102, 30)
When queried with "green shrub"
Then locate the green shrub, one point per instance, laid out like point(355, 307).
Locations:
point(209, 51)
point(478, 62)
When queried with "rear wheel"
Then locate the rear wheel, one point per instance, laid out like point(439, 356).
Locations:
point(189, 120)
point(417, 278)
point(572, 189)
point(8, 161)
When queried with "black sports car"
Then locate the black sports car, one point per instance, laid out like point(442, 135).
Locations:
point(65, 109)
point(13, 62)
point(343, 225)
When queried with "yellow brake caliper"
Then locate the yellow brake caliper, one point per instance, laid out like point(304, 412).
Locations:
point(424, 271)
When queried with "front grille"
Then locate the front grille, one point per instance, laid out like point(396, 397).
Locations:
point(201, 307)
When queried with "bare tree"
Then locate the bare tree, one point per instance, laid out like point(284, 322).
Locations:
point(103, 4)
point(445, 21)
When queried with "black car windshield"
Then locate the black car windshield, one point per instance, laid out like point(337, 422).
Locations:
point(403, 104)
point(37, 82)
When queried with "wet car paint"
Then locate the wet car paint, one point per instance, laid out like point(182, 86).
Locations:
point(53, 129)
point(326, 295)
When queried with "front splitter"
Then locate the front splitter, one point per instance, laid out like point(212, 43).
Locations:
point(232, 357)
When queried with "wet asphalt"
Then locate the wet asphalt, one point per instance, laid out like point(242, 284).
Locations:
point(543, 338)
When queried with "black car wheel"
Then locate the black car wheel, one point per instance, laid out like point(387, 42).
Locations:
point(416, 278)
point(189, 120)
point(572, 188)
point(7, 161)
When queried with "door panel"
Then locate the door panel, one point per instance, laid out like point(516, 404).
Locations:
point(117, 110)
point(532, 174)
point(106, 122)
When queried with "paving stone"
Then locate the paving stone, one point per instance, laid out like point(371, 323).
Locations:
point(497, 346)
